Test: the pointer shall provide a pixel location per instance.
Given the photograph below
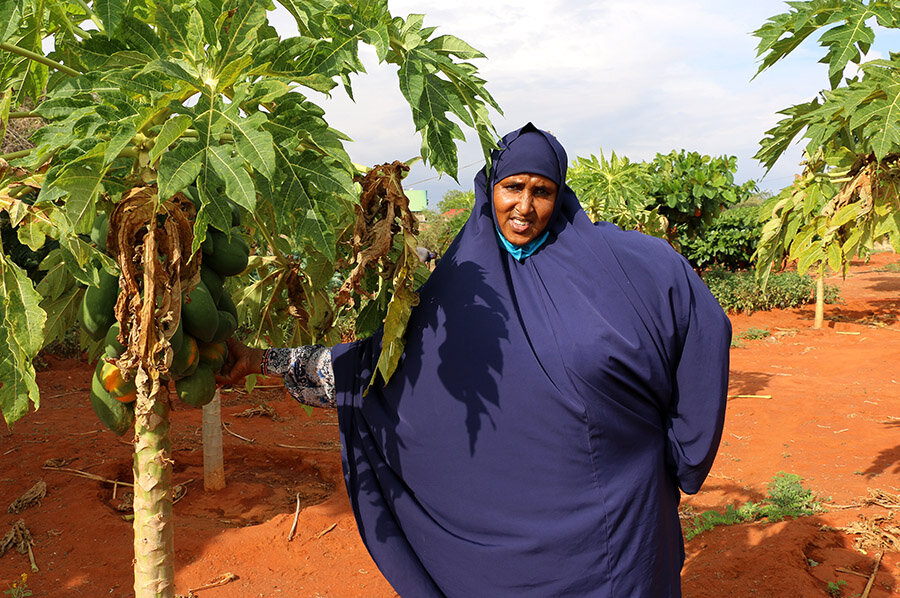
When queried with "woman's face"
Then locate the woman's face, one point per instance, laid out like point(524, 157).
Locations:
point(523, 204)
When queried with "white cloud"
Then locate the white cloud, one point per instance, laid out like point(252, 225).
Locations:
point(634, 77)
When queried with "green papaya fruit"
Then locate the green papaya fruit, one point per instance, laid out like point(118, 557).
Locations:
point(199, 314)
point(226, 303)
point(235, 214)
point(230, 255)
point(113, 348)
point(115, 415)
point(100, 230)
point(212, 355)
point(227, 326)
point(98, 306)
point(186, 359)
point(178, 337)
point(208, 245)
point(213, 280)
point(197, 389)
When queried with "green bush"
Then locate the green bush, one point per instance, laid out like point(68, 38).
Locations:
point(739, 291)
point(729, 242)
point(786, 498)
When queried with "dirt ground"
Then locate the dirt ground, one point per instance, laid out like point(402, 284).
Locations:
point(822, 404)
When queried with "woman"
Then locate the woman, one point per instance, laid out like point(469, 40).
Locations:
point(561, 381)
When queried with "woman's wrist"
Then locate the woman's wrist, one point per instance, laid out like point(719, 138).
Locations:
point(258, 361)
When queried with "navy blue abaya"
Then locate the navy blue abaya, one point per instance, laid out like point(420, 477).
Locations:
point(545, 413)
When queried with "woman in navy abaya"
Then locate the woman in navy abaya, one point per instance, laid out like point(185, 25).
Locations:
point(562, 382)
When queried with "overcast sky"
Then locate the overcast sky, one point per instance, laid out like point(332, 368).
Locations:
point(632, 77)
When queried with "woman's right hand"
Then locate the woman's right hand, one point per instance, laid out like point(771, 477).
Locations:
point(241, 361)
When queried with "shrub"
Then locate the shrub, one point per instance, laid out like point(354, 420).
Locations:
point(729, 242)
point(739, 291)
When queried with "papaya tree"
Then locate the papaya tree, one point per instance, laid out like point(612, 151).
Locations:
point(165, 119)
point(846, 198)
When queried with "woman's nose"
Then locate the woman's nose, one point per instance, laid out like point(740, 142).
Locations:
point(525, 202)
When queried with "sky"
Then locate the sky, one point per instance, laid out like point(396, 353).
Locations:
point(636, 78)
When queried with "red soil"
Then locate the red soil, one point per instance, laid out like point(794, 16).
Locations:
point(823, 404)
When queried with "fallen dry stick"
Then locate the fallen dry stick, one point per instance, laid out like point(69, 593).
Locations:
point(326, 530)
point(851, 572)
point(306, 448)
point(218, 581)
point(225, 427)
point(296, 517)
point(90, 476)
point(869, 585)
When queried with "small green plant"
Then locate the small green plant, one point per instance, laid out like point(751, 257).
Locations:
point(19, 589)
point(755, 334)
point(786, 498)
point(836, 588)
point(893, 267)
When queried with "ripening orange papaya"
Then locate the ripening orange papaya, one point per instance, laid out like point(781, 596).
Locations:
point(115, 383)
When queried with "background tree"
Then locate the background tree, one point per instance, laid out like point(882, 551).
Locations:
point(846, 198)
point(442, 225)
point(675, 196)
point(151, 103)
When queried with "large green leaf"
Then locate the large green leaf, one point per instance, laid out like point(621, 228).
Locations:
point(171, 130)
point(179, 167)
point(10, 19)
point(238, 184)
point(110, 13)
point(21, 334)
point(238, 30)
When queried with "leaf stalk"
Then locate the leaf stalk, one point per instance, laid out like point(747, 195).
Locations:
point(39, 58)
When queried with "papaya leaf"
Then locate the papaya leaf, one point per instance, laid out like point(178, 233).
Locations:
point(238, 31)
point(10, 19)
point(238, 184)
point(110, 13)
point(21, 334)
point(253, 144)
point(179, 167)
point(171, 130)
point(61, 313)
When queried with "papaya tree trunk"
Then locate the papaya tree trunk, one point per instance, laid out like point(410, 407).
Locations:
point(154, 547)
point(820, 301)
point(213, 461)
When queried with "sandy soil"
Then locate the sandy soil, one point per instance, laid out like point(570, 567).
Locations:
point(823, 404)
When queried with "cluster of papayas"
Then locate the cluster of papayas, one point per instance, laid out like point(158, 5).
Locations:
point(208, 317)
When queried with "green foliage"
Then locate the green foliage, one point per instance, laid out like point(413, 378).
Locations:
point(675, 196)
point(19, 589)
point(847, 196)
point(691, 189)
point(754, 334)
point(617, 190)
point(741, 291)
point(441, 226)
point(21, 326)
point(836, 588)
point(729, 242)
point(206, 98)
point(786, 497)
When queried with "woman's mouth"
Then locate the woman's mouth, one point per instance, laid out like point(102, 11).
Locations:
point(519, 225)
